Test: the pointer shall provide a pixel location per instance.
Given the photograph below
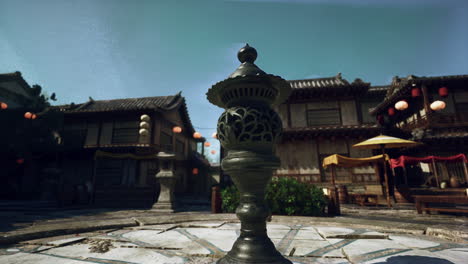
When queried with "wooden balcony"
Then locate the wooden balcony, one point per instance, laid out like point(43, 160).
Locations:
point(435, 120)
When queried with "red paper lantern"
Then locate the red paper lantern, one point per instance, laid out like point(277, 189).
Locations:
point(213, 152)
point(443, 91)
point(20, 161)
point(415, 92)
point(207, 144)
point(401, 105)
point(177, 129)
point(28, 115)
point(197, 135)
point(195, 171)
point(3, 106)
point(391, 111)
point(380, 119)
point(34, 116)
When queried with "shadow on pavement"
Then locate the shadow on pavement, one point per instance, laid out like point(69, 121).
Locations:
point(414, 260)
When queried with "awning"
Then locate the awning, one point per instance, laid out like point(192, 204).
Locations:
point(402, 161)
point(343, 161)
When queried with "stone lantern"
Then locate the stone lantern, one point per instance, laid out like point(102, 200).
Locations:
point(249, 129)
point(167, 180)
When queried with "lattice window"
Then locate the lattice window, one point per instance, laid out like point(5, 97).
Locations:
point(323, 117)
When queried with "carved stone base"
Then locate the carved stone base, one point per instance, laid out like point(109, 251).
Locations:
point(164, 207)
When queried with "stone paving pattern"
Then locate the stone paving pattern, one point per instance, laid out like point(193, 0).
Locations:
point(204, 242)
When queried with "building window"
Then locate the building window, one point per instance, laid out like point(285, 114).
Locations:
point(180, 147)
point(323, 117)
point(166, 141)
point(462, 111)
point(125, 132)
point(367, 118)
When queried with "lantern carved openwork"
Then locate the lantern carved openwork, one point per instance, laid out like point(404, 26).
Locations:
point(249, 129)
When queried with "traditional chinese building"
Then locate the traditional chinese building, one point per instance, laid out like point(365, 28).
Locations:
point(436, 115)
point(110, 158)
point(327, 116)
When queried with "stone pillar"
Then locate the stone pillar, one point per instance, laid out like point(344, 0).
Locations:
point(167, 179)
point(249, 130)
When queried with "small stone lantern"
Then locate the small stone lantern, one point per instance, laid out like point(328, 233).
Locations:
point(249, 130)
point(167, 180)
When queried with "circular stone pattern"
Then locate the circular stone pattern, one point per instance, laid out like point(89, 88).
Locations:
point(249, 128)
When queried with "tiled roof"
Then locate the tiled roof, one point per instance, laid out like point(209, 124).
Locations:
point(379, 89)
point(336, 81)
point(329, 86)
point(127, 104)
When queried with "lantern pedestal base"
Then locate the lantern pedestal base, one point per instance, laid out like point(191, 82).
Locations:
point(253, 250)
point(164, 207)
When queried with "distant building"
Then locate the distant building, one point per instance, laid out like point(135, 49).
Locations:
point(326, 116)
point(443, 131)
point(106, 155)
point(14, 90)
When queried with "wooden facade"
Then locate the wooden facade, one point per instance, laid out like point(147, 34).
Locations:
point(327, 116)
point(106, 155)
point(442, 132)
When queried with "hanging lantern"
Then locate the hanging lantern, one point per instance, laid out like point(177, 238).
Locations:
point(143, 132)
point(215, 135)
point(213, 152)
point(177, 129)
point(20, 161)
point(145, 118)
point(207, 144)
point(195, 171)
point(415, 92)
point(3, 106)
point(34, 116)
point(401, 105)
point(443, 91)
point(28, 115)
point(144, 125)
point(391, 111)
point(197, 135)
point(438, 105)
point(380, 119)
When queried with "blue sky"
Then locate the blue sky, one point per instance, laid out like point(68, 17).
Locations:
point(115, 49)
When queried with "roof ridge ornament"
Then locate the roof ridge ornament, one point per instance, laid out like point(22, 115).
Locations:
point(247, 54)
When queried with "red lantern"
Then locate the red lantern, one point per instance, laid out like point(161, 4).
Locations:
point(213, 152)
point(401, 105)
point(380, 119)
point(177, 129)
point(197, 135)
point(28, 115)
point(415, 92)
point(20, 161)
point(207, 144)
point(195, 171)
point(443, 91)
point(391, 111)
point(3, 106)
point(34, 116)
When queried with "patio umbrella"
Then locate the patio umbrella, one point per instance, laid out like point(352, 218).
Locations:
point(382, 142)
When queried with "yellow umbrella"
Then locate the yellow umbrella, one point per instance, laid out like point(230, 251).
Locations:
point(386, 141)
point(382, 142)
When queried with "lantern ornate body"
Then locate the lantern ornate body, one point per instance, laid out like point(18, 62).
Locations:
point(391, 111)
point(248, 129)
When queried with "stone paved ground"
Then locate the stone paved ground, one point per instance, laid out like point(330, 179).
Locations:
point(204, 242)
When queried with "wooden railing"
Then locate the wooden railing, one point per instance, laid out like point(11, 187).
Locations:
point(436, 120)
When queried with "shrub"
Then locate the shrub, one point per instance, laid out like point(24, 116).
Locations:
point(284, 196)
